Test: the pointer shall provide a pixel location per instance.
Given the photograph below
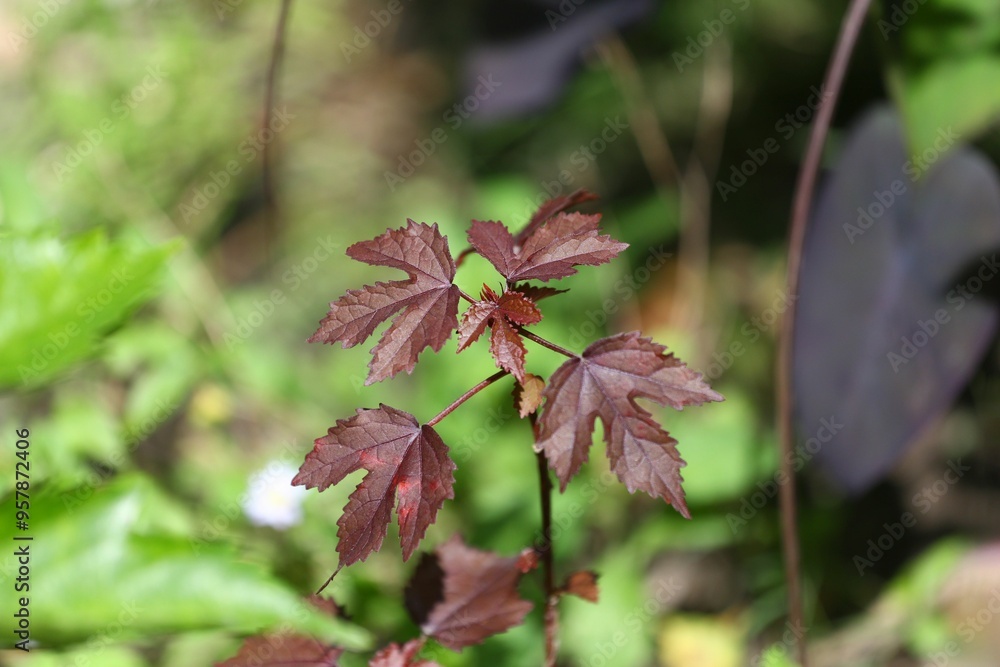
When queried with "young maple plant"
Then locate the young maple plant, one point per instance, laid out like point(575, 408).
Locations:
point(459, 595)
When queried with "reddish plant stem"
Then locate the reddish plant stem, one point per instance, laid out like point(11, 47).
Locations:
point(834, 79)
point(545, 551)
point(466, 296)
point(466, 396)
point(321, 588)
point(462, 255)
point(544, 343)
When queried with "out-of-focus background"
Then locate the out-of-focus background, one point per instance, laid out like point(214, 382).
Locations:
point(156, 299)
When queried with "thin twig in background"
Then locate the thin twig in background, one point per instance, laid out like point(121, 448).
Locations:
point(270, 93)
point(195, 280)
point(834, 79)
point(653, 144)
point(714, 106)
point(699, 171)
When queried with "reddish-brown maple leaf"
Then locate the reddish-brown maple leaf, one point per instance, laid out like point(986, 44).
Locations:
point(500, 313)
point(550, 251)
point(460, 595)
point(402, 458)
point(288, 649)
point(548, 209)
point(536, 292)
point(395, 655)
point(582, 584)
point(604, 382)
point(528, 394)
point(551, 208)
point(284, 650)
point(429, 300)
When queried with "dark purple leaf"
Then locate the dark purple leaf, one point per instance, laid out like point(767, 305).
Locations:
point(395, 655)
point(460, 596)
point(529, 72)
point(885, 338)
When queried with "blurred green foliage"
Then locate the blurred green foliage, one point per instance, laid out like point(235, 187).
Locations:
point(61, 298)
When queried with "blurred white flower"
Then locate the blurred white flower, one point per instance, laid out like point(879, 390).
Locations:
point(271, 499)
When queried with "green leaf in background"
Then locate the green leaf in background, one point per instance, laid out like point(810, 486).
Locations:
point(123, 564)
point(163, 366)
point(79, 431)
point(60, 296)
point(723, 461)
point(917, 589)
point(919, 583)
point(948, 103)
point(777, 656)
point(21, 206)
point(948, 65)
point(620, 626)
point(98, 654)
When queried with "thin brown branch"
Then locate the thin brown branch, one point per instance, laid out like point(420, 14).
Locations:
point(466, 396)
point(270, 94)
point(834, 79)
point(715, 104)
point(699, 170)
point(545, 551)
point(194, 278)
point(653, 144)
